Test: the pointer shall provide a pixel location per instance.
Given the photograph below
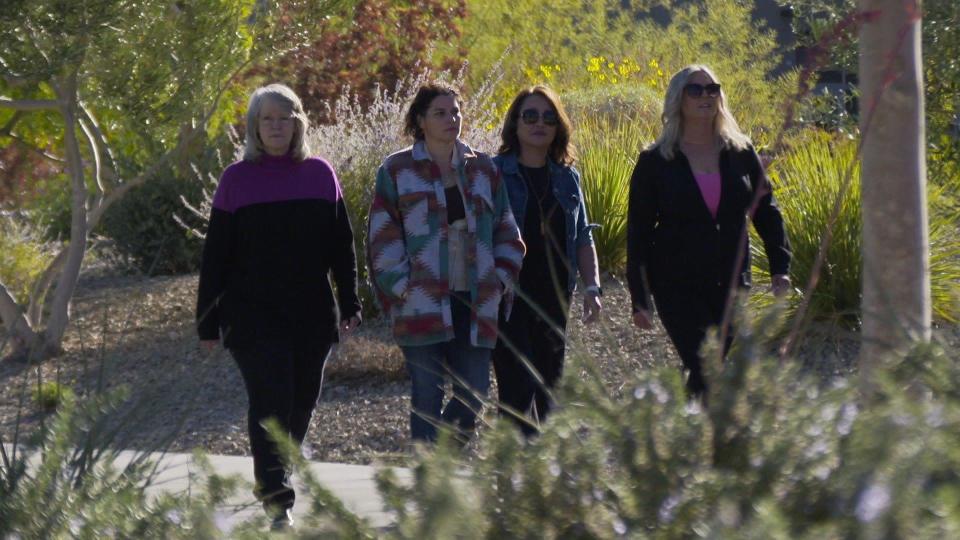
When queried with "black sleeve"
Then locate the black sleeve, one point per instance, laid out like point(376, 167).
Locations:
point(768, 220)
point(641, 220)
point(344, 264)
point(216, 263)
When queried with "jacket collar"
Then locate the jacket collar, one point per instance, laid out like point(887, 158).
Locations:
point(461, 152)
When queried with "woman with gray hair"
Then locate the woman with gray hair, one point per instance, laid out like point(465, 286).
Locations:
point(691, 193)
point(278, 228)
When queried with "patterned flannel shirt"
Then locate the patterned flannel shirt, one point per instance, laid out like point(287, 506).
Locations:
point(407, 247)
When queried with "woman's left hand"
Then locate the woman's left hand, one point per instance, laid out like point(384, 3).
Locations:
point(591, 307)
point(348, 326)
point(780, 285)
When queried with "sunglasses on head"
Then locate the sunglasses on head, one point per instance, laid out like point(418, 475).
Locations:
point(696, 90)
point(531, 116)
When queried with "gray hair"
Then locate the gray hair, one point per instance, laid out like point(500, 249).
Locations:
point(299, 149)
point(724, 125)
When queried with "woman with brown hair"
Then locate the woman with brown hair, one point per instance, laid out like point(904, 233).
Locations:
point(536, 161)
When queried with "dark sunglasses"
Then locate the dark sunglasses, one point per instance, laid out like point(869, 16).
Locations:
point(531, 116)
point(695, 90)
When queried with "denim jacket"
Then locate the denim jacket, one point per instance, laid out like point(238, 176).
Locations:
point(565, 183)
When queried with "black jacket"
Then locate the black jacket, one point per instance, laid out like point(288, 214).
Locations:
point(674, 241)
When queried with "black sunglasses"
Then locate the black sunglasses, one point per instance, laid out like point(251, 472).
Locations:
point(531, 116)
point(695, 90)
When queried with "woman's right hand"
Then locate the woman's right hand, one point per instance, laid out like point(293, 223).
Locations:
point(642, 319)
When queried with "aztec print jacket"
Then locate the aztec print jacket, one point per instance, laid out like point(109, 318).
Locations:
point(407, 245)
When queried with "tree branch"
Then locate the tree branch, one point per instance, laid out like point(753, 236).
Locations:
point(93, 218)
point(95, 150)
point(28, 104)
point(14, 320)
point(111, 162)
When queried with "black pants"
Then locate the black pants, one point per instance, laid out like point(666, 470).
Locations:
point(541, 341)
point(687, 312)
point(283, 381)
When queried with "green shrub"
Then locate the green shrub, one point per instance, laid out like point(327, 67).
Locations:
point(50, 395)
point(143, 229)
point(776, 453)
point(79, 490)
point(49, 208)
point(23, 257)
point(608, 151)
point(807, 180)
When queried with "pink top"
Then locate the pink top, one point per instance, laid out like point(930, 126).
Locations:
point(710, 189)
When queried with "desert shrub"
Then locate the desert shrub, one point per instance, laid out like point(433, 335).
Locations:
point(776, 453)
point(51, 394)
point(23, 255)
point(143, 229)
point(49, 208)
point(608, 150)
point(807, 180)
point(79, 489)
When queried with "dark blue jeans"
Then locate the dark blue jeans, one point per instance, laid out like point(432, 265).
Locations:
point(283, 381)
point(467, 366)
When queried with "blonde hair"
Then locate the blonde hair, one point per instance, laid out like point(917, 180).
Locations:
point(724, 125)
point(299, 149)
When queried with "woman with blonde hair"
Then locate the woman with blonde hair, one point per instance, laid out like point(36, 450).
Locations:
point(691, 194)
point(278, 227)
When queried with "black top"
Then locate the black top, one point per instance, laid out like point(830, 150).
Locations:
point(277, 230)
point(672, 238)
point(545, 270)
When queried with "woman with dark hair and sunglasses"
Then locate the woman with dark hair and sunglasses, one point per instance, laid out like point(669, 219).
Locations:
point(443, 249)
point(536, 161)
point(691, 193)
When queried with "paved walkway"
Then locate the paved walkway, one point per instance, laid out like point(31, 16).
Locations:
point(353, 484)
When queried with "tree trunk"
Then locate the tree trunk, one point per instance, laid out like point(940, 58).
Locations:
point(67, 282)
point(896, 281)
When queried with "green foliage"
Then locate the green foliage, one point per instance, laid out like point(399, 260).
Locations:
point(807, 180)
point(378, 45)
point(144, 231)
point(608, 151)
point(23, 256)
point(826, 22)
point(50, 395)
point(614, 48)
point(776, 453)
point(81, 489)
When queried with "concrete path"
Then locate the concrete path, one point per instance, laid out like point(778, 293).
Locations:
point(353, 484)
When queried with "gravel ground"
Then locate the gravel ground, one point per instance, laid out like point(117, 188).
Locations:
point(137, 334)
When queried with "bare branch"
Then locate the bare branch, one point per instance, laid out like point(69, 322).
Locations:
point(95, 150)
point(28, 104)
point(107, 153)
point(14, 319)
